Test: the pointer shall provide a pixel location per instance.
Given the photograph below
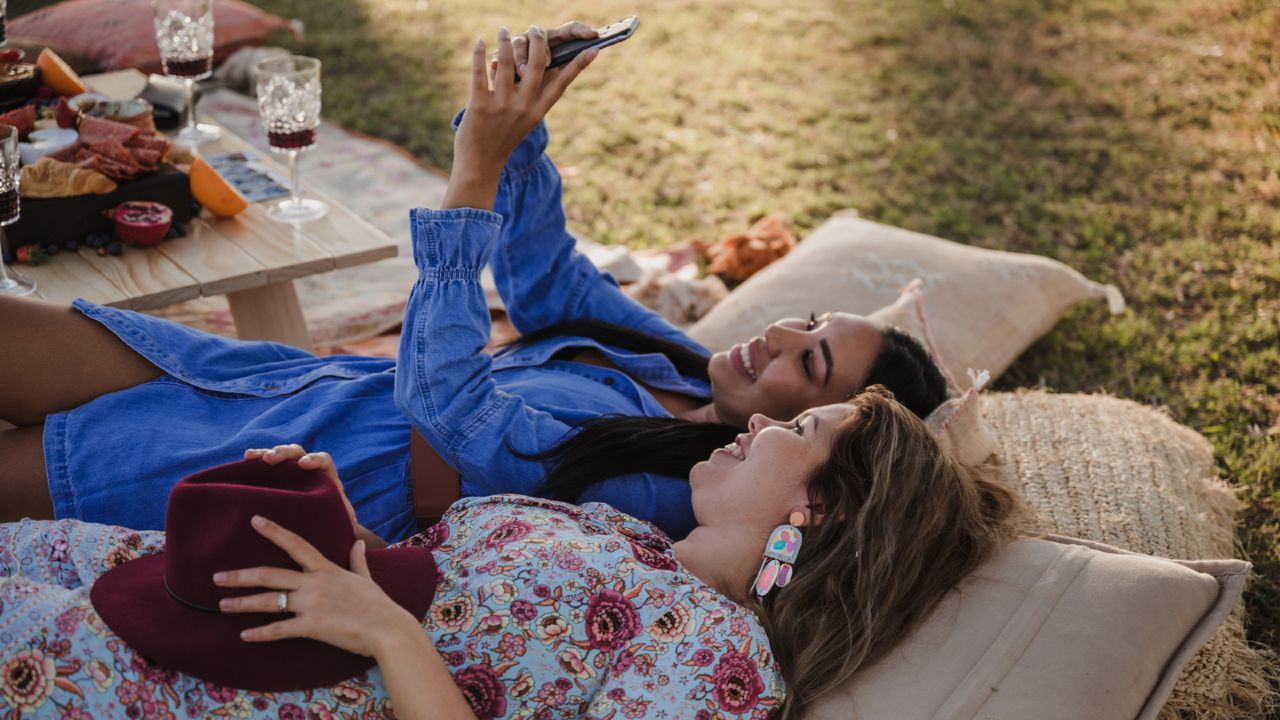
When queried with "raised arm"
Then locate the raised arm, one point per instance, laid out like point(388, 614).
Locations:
point(443, 379)
point(542, 278)
point(444, 382)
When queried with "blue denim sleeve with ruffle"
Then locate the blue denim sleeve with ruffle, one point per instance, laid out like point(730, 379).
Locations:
point(444, 381)
point(540, 275)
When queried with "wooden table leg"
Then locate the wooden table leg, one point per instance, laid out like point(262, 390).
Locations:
point(270, 312)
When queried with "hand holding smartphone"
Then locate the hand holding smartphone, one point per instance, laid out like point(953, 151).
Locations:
point(568, 41)
point(609, 35)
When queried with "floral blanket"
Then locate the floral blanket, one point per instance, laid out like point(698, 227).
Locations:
point(543, 610)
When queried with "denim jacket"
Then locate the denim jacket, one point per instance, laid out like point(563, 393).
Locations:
point(481, 412)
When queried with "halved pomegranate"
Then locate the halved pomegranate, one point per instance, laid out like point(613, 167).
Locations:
point(141, 223)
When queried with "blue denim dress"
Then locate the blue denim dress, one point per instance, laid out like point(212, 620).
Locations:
point(114, 459)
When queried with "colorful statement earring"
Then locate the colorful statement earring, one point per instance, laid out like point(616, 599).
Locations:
point(779, 555)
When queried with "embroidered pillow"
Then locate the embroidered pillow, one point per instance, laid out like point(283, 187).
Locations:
point(986, 306)
point(118, 34)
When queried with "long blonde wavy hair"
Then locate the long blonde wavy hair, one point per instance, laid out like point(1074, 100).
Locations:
point(901, 522)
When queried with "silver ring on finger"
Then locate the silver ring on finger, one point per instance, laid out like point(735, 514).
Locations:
point(282, 602)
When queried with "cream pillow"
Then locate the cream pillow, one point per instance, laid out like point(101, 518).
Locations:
point(986, 306)
point(1049, 628)
point(1114, 471)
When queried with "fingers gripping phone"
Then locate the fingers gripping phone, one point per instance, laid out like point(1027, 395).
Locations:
point(611, 35)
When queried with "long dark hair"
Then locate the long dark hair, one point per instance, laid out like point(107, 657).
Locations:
point(612, 445)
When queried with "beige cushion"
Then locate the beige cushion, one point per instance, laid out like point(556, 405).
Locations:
point(985, 306)
point(1117, 472)
point(1049, 628)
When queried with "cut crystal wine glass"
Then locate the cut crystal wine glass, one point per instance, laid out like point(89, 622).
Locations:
point(184, 33)
point(289, 101)
point(10, 282)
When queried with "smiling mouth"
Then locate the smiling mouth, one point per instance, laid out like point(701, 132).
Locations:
point(735, 449)
point(744, 352)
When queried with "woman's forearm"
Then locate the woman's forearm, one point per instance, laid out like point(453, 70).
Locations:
point(471, 188)
point(419, 684)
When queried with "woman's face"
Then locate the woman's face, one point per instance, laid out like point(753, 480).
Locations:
point(759, 479)
point(796, 364)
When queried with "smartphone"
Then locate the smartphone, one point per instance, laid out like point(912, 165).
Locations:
point(611, 35)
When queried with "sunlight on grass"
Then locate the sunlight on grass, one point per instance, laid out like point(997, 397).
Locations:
point(1128, 140)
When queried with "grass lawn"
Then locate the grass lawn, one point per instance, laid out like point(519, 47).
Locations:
point(1138, 142)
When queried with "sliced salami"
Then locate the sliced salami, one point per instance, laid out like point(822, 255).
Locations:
point(24, 118)
point(150, 142)
point(113, 151)
point(149, 159)
point(97, 130)
point(92, 162)
point(117, 170)
point(69, 153)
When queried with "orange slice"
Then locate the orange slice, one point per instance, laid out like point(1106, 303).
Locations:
point(214, 192)
point(57, 74)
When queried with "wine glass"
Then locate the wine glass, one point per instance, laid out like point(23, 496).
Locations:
point(289, 101)
point(184, 32)
point(10, 283)
point(4, 23)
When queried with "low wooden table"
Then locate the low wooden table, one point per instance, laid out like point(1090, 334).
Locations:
point(249, 258)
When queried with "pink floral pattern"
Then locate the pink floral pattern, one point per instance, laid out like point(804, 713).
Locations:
point(543, 610)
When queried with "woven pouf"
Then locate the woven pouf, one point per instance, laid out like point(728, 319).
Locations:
point(1120, 473)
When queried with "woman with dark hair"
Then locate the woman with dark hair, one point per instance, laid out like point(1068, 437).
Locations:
point(616, 402)
point(820, 544)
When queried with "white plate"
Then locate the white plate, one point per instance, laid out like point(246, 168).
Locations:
point(44, 142)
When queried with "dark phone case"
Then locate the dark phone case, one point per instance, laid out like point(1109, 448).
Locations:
point(570, 50)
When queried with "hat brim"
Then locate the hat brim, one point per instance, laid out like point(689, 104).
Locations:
point(134, 603)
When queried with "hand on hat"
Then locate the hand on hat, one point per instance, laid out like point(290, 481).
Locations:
point(315, 461)
point(344, 608)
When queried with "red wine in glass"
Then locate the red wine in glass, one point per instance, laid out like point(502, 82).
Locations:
point(195, 68)
point(8, 206)
point(292, 139)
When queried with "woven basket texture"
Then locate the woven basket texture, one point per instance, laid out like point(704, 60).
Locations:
point(1117, 472)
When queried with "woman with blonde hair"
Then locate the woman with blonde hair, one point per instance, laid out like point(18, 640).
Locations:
point(821, 543)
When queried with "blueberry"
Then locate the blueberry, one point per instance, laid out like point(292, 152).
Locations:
point(115, 247)
point(71, 245)
point(178, 229)
point(9, 258)
point(94, 240)
point(50, 249)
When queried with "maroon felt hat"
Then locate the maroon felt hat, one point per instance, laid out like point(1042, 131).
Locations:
point(166, 605)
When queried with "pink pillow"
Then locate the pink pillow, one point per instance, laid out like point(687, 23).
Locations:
point(118, 34)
